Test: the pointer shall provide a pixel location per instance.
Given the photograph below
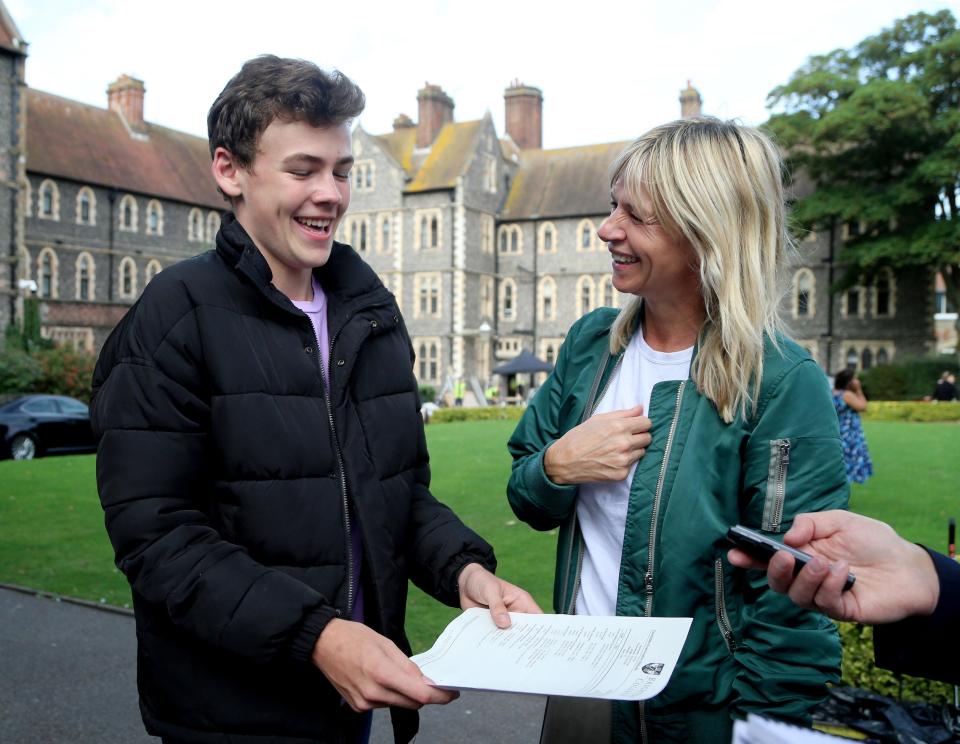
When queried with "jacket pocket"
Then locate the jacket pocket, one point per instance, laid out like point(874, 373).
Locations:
point(720, 599)
point(777, 472)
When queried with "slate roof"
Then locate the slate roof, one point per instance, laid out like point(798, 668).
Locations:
point(568, 182)
point(441, 165)
point(10, 38)
point(91, 145)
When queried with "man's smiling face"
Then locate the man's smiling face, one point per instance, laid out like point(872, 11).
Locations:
point(294, 195)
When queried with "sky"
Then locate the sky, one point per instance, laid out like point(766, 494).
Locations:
point(608, 70)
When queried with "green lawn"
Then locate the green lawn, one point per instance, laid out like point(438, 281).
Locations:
point(52, 535)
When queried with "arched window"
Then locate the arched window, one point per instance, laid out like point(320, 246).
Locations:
point(511, 239)
point(385, 234)
point(195, 226)
point(434, 232)
point(884, 294)
point(584, 295)
point(128, 278)
point(424, 234)
point(804, 298)
point(153, 268)
point(86, 206)
point(128, 213)
point(48, 200)
point(213, 226)
point(882, 356)
point(852, 302)
point(548, 238)
point(428, 360)
point(426, 288)
point(866, 358)
point(586, 232)
point(86, 279)
point(605, 296)
point(852, 358)
point(503, 239)
point(548, 299)
point(508, 300)
point(362, 245)
point(549, 353)
point(48, 270)
point(154, 217)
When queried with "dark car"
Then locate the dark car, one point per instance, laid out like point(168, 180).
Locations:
point(37, 425)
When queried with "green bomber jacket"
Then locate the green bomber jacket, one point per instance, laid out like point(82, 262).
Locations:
point(749, 649)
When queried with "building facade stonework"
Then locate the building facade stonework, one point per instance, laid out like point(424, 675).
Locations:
point(489, 242)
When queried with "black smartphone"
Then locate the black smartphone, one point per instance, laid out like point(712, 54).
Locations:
point(762, 548)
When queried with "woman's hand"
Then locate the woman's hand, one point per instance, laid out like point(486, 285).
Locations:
point(600, 450)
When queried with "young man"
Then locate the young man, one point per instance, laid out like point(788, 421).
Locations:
point(262, 463)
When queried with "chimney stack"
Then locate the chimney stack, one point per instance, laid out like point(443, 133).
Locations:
point(436, 109)
point(125, 96)
point(523, 106)
point(402, 122)
point(690, 102)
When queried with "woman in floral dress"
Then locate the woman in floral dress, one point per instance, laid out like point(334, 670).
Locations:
point(849, 400)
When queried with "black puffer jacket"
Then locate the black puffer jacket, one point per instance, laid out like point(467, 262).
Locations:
point(224, 470)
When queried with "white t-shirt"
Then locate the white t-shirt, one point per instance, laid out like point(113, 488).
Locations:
point(602, 507)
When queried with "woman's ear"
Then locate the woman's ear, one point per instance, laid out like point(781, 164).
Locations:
point(226, 172)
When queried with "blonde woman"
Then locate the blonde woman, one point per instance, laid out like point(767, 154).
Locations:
point(686, 413)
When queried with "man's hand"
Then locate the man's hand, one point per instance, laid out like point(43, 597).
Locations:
point(480, 588)
point(895, 578)
point(600, 450)
point(369, 671)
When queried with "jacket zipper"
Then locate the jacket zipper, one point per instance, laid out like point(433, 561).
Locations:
point(593, 400)
point(781, 485)
point(652, 545)
point(723, 619)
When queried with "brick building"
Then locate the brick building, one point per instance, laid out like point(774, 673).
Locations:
point(489, 243)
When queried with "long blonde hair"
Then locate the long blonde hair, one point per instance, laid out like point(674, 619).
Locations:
point(720, 185)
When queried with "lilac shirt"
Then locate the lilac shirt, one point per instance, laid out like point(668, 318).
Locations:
point(316, 310)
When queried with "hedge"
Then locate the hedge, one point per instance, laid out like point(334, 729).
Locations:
point(907, 379)
point(896, 410)
point(489, 413)
point(57, 371)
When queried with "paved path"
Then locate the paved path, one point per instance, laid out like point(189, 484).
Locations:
point(67, 676)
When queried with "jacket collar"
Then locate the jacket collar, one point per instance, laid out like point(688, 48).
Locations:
point(346, 278)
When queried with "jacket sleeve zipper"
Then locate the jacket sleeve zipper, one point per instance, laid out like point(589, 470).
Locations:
point(781, 488)
point(723, 619)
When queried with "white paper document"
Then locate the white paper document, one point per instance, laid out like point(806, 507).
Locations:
point(617, 658)
point(758, 730)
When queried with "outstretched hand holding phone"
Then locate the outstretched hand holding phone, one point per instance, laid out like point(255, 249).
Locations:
point(895, 578)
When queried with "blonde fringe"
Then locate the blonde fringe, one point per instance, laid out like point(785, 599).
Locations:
point(719, 184)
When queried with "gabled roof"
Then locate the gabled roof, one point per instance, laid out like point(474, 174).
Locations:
point(92, 145)
point(10, 37)
point(441, 165)
point(562, 183)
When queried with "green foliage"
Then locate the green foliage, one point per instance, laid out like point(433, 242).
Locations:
point(912, 411)
point(859, 670)
point(19, 371)
point(906, 379)
point(428, 393)
point(489, 413)
point(58, 371)
point(877, 128)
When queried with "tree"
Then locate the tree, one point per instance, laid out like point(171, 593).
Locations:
point(877, 129)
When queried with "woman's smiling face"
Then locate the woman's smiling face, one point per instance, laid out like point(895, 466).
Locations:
point(648, 260)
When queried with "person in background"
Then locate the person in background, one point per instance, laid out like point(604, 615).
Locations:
point(850, 402)
point(946, 389)
point(686, 412)
point(262, 464)
point(909, 592)
point(459, 390)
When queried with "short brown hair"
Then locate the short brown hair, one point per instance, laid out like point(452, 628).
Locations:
point(269, 88)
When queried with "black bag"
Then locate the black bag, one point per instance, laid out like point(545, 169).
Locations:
point(887, 721)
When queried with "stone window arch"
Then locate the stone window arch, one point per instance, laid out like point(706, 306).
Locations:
point(153, 268)
point(48, 200)
point(511, 239)
point(508, 299)
point(804, 294)
point(884, 294)
point(586, 236)
point(86, 206)
point(548, 238)
point(154, 217)
point(606, 297)
point(428, 359)
point(584, 295)
point(427, 292)
point(23, 264)
point(213, 226)
point(853, 302)
point(429, 225)
point(127, 285)
point(48, 273)
point(85, 289)
point(383, 235)
point(547, 296)
point(195, 225)
point(128, 213)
